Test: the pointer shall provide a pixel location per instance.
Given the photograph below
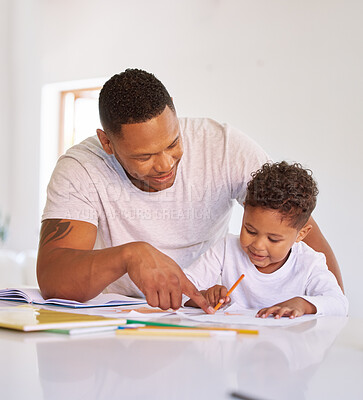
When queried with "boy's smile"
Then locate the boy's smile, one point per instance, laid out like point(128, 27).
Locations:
point(267, 238)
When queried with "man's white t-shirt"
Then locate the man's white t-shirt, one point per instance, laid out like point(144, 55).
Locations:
point(182, 221)
point(304, 274)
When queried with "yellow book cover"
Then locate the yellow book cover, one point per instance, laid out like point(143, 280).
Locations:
point(29, 318)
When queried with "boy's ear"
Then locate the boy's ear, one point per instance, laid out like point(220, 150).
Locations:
point(105, 141)
point(303, 232)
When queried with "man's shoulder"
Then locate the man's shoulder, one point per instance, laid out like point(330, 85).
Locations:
point(87, 154)
point(199, 129)
point(90, 147)
point(218, 135)
point(84, 160)
point(200, 126)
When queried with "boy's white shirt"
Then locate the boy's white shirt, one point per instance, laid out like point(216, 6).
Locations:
point(304, 274)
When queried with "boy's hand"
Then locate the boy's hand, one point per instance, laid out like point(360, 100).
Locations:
point(213, 295)
point(295, 307)
point(217, 294)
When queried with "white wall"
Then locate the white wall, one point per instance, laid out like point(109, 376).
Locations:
point(287, 72)
point(23, 133)
point(4, 116)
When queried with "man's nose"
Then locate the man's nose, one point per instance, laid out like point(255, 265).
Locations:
point(164, 162)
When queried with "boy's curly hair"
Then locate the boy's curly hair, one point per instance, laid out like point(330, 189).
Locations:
point(289, 189)
point(133, 96)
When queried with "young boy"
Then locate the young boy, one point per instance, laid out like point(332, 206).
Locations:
point(283, 275)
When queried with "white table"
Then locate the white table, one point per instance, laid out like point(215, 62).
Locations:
point(319, 359)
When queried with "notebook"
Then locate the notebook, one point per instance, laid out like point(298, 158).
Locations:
point(103, 300)
point(28, 318)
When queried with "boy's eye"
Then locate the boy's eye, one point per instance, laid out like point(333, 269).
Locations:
point(250, 232)
point(273, 240)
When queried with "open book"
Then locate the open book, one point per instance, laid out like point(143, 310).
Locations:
point(103, 300)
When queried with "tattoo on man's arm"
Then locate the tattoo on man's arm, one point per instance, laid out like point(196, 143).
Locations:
point(53, 230)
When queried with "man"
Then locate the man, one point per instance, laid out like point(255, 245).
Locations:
point(154, 190)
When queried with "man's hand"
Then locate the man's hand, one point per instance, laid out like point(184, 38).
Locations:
point(295, 307)
point(160, 278)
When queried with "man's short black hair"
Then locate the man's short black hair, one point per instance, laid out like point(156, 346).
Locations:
point(133, 96)
point(288, 189)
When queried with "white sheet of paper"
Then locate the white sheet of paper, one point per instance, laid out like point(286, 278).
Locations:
point(138, 315)
point(238, 316)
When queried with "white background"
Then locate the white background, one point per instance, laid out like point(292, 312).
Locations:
point(288, 73)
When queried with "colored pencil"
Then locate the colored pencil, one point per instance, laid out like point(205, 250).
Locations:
point(212, 328)
point(153, 324)
point(163, 332)
point(158, 324)
point(230, 290)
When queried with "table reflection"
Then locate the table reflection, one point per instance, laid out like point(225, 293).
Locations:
point(276, 364)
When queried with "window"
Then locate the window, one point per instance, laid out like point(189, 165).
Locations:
point(79, 117)
point(69, 114)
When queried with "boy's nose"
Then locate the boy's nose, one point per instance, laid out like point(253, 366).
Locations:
point(258, 245)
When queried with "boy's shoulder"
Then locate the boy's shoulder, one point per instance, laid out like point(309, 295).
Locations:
point(231, 240)
point(227, 244)
point(232, 246)
point(304, 251)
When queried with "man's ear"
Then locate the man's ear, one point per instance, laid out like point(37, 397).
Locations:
point(303, 232)
point(105, 141)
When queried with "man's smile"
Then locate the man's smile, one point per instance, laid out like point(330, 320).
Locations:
point(163, 178)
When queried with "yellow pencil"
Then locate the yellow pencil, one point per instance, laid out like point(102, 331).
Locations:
point(163, 332)
point(209, 329)
point(230, 290)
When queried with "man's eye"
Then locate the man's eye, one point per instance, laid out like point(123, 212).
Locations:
point(173, 144)
point(143, 158)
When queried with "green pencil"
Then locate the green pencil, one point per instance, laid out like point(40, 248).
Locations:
point(216, 328)
point(163, 324)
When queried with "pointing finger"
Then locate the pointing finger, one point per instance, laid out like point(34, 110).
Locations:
point(191, 291)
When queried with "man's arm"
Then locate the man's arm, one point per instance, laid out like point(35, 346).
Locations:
point(317, 241)
point(68, 267)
